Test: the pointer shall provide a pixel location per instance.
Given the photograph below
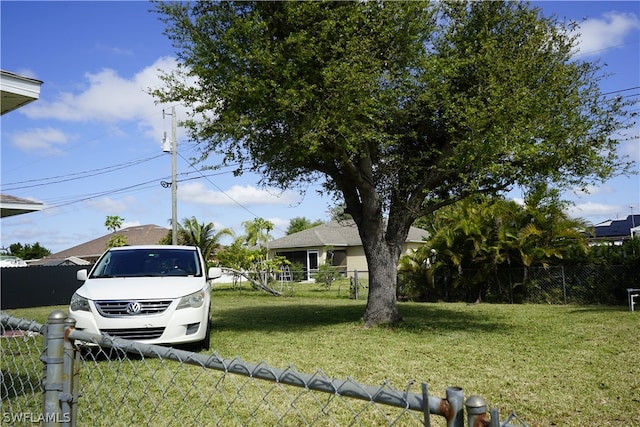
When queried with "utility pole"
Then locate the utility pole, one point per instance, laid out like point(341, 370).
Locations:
point(174, 184)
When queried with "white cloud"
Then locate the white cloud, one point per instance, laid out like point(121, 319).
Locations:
point(127, 224)
point(43, 141)
point(280, 226)
point(594, 190)
point(26, 73)
point(114, 50)
point(606, 32)
point(22, 235)
point(591, 209)
point(24, 229)
point(632, 148)
point(110, 98)
point(108, 205)
point(248, 195)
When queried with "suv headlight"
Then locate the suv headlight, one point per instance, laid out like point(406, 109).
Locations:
point(79, 303)
point(193, 300)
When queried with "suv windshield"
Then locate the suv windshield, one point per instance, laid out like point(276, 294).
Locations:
point(148, 263)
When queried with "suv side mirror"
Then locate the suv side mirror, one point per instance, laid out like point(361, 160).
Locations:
point(214, 273)
point(81, 275)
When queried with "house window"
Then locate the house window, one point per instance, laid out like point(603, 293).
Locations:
point(339, 259)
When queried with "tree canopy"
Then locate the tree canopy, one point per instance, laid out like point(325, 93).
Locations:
point(483, 234)
point(257, 232)
point(203, 235)
point(28, 251)
point(113, 224)
point(398, 108)
point(301, 223)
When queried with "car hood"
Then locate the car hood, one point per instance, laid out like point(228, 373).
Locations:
point(140, 288)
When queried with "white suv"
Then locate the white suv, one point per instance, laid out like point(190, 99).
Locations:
point(157, 294)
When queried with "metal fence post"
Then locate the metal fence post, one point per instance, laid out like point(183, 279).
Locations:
point(564, 286)
point(455, 398)
point(356, 285)
point(53, 359)
point(495, 418)
point(426, 410)
point(69, 393)
point(476, 411)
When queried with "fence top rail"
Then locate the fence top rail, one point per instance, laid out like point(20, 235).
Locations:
point(450, 407)
point(384, 394)
point(21, 324)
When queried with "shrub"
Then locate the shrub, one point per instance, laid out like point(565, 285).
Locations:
point(326, 275)
point(297, 272)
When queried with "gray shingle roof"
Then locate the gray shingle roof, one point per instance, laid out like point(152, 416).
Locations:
point(334, 233)
point(7, 198)
point(12, 205)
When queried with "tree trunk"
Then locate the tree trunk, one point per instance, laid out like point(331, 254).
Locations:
point(382, 259)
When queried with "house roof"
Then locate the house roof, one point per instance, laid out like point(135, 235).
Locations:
point(72, 260)
point(334, 233)
point(617, 227)
point(17, 90)
point(12, 205)
point(137, 235)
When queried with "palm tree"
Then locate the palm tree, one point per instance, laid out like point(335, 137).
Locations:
point(549, 232)
point(202, 235)
point(257, 232)
point(482, 235)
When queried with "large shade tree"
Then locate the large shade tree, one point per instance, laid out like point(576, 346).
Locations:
point(399, 108)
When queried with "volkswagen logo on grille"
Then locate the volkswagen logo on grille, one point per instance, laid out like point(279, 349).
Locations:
point(133, 307)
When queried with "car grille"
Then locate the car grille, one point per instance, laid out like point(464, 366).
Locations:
point(135, 333)
point(124, 307)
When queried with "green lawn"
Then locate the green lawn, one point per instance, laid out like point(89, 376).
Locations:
point(552, 365)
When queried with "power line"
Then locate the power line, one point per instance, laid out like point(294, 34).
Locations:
point(41, 182)
point(223, 192)
point(605, 48)
point(70, 200)
point(218, 188)
point(95, 138)
point(622, 90)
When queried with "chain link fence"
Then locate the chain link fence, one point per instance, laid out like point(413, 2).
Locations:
point(21, 345)
point(54, 375)
point(575, 284)
point(590, 284)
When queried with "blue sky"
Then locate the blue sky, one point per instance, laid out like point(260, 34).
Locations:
point(91, 146)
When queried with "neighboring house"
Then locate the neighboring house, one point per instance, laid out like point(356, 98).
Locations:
point(11, 205)
point(336, 242)
point(11, 261)
point(89, 252)
point(17, 91)
point(55, 262)
point(618, 230)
